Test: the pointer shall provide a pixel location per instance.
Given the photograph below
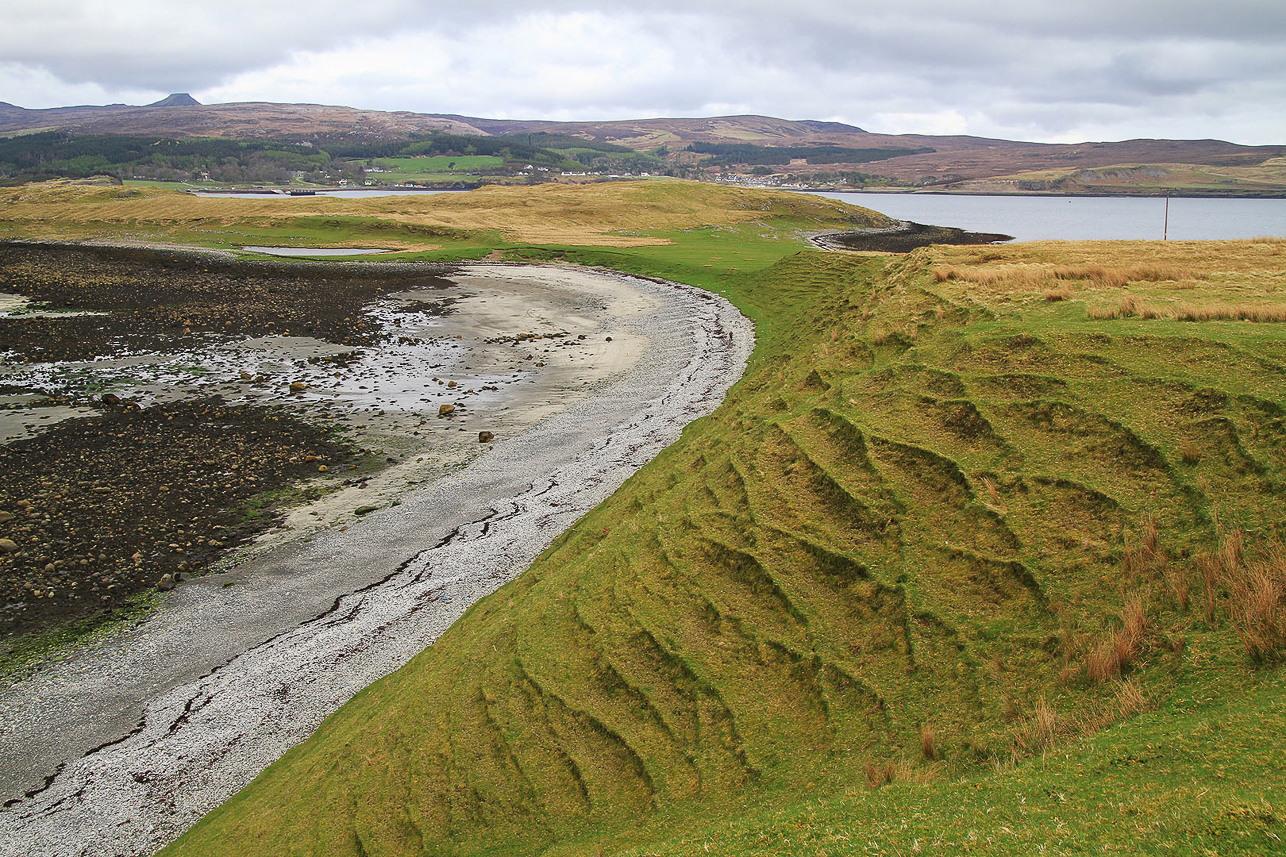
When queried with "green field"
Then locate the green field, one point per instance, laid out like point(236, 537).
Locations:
point(982, 555)
point(434, 164)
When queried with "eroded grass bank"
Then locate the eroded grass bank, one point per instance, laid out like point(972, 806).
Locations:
point(957, 566)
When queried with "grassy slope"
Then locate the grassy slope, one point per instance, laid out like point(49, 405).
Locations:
point(619, 214)
point(928, 506)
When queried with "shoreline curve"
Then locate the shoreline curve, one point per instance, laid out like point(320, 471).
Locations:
point(178, 722)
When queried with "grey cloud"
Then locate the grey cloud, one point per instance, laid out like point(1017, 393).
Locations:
point(1006, 64)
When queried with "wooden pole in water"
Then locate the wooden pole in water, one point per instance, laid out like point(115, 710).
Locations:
point(1165, 230)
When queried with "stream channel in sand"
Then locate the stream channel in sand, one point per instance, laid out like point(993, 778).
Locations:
point(122, 746)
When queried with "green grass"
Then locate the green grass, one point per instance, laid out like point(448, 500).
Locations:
point(927, 505)
point(1170, 782)
point(437, 164)
point(438, 178)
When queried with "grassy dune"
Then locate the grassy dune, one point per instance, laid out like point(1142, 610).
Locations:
point(964, 563)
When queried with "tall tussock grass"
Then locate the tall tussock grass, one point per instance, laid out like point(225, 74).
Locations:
point(1114, 654)
point(1251, 593)
point(1059, 281)
point(1133, 307)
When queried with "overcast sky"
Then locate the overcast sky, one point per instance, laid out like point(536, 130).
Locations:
point(1064, 71)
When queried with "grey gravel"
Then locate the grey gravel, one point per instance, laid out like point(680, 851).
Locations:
point(130, 741)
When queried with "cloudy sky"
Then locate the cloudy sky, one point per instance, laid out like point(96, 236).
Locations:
point(1064, 71)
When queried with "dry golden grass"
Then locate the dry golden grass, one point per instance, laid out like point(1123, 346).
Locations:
point(928, 742)
point(1257, 606)
point(1063, 270)
point(1180, 588)
point(1253, 594)
point(1233, 312)
point(1133, 307)
point(593, 215)
point(1060, 281)
point(1114, 654)
point(1130, 699)
point(1040, 730)
point(879, 774)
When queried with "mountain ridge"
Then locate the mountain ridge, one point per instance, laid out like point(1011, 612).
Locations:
point(953, 159)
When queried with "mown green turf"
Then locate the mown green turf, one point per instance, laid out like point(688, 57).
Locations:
point(925, 508)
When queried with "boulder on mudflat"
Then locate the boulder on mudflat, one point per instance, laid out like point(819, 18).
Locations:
point(485, 437)
point(446, 410)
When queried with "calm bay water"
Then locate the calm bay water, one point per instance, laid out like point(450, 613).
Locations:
point(1037, 218)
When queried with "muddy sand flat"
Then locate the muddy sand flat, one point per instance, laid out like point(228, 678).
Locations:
point(128, 742)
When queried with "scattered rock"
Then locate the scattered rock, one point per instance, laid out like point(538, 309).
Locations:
point(364, 510)
point(609, 339)
point(298, 386)
point(111, 400)
point(166, 583)
point(5, 517)
point(8, 545)
point(446, 410)
point(485, 437)
point(321, 468)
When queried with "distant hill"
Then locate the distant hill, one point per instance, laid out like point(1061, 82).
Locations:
point(177, 99)
point(941, 162)
point(244, 120)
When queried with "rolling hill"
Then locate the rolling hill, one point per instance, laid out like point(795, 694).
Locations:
point(945, 163)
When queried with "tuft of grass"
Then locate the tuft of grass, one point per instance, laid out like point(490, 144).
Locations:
point(1257, 606)
point(880, 773)
point(1040, 730)
point(1131, 699)
point(928, 742)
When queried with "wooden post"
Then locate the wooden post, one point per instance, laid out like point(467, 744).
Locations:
point(1165, 230)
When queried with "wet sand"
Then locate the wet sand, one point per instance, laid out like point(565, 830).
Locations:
point(133, 738)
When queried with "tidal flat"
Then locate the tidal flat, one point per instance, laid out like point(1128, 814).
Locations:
point(160, 419)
